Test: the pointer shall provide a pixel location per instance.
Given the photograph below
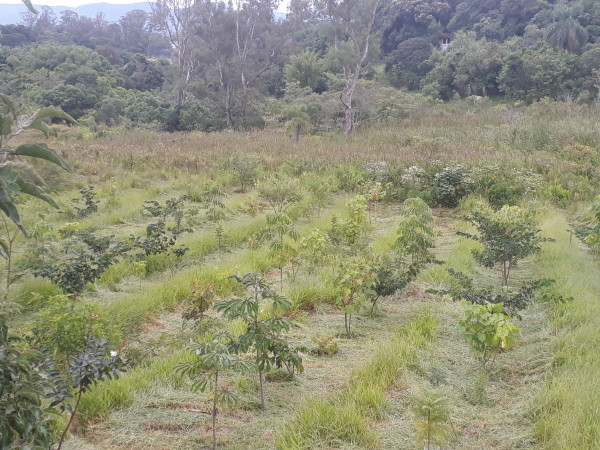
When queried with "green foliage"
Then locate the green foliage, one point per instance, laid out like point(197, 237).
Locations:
point(326, 346)
point(280, 192)
point(91, 205)
point(13, 123)
point(24, 418)
point(279, 226)
point(84, 258)
point(513, 300)
point(213, 197)
point(212, 358)
point(391, 276)
point(245, 168)
point(431, 416)
point(507, 235)
point(487, 331)
point(94, 363)
point(200, 300)
point(160, 238)
point(348, 231)
point(306, 69)
point(312, 247)
point(451, 184)
point(353, 282)
point(63, 326)
point(416, 234)
point(264, 326)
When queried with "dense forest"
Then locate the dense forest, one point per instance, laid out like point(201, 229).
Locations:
point(209, 65)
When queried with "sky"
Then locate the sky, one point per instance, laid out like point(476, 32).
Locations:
point(75, 3)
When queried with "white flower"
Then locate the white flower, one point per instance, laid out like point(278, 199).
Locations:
point(113, 353)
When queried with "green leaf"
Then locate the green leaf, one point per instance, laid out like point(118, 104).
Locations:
point(5, 125)
point(31, 189)
point(8, 208)
point(10, 104)
point(49, 112)
point(38, 124)
point(41, 151)
point(29, 6)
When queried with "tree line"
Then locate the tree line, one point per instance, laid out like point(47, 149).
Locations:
point(328, 64)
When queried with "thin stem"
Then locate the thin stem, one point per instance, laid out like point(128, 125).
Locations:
point(64, 433)
point(214, 412)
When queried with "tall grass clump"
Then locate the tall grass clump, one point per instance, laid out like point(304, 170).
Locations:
point(119, 393)
point(345, 419)
point(567, 407)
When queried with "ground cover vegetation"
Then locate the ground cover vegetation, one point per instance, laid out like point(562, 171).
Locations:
point(399, 277)
point(411, 318)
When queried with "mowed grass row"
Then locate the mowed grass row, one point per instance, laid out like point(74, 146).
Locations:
point(115, 394)
point(346, 418)
point(568, 408)
point(129, 311)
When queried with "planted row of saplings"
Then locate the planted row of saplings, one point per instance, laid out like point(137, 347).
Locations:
point(353, 291)
point(507, 236)
point(64, 326)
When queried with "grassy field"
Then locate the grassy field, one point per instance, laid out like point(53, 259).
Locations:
point(543, 393)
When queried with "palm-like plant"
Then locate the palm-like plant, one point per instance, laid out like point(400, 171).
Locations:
point(212, 358)
point(566, 34)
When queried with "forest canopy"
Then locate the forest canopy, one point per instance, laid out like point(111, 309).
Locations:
point(210, 65)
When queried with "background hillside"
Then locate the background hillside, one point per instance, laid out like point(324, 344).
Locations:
point(207, 66)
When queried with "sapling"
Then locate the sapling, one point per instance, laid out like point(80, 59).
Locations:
point(431, 417)
point(94, 364)
point(264, 326)
point(200, 300)
point(90, 204)
point(279, 226)
point(416, 235)
point(211, 359)
point(353, 284)
point(213, 198)
point(374, 192)
point(507, 236)
point(487, 330)
point(280, 192)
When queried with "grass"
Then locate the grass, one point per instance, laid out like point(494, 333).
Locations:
point(120, 393)
point(360, 394)
point(346, 419)
point(567, 408)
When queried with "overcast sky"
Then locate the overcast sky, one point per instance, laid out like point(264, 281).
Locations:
point(74, 3)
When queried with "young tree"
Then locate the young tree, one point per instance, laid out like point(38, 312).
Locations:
point(95, 363)
point(279, 226)
point(431, 417)
point(416, 234)
point(487, 330)
point(353, 284)
point(211, 359)
point(264, 335)
point(507, 235)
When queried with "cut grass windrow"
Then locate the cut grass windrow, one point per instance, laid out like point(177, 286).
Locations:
point(128, 312)
point(119, 393)
point(568, 408)
point(346, 418)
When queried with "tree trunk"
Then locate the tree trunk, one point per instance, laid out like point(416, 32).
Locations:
point(64, 433)
point(214, 413)
point(297, 134)
point(262, 392)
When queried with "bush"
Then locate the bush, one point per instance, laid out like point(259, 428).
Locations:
point(451, 184)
